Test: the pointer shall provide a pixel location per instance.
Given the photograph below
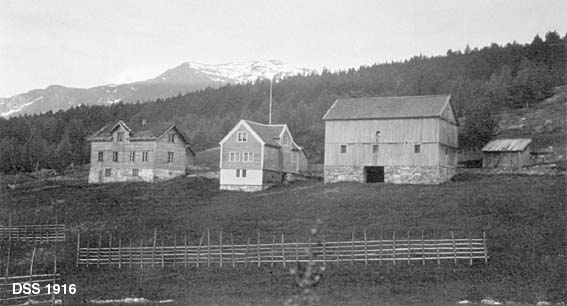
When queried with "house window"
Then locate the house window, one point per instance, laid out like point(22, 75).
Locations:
point(144, 156)
point(234, 157)
point(343, 148)
point(285, 140)
point(417, 148)
point(377, 136)
point(446, 151)
point(115, 156)
point(107, 172)
point(135, 172)
point(375, 149)
point(171, 138)
point(100, 156)
point(237, 172)
point(120, 136)
point(169, 157)
point(132, 156)
point(248, 157)
point(243, 172)
point(242, 137)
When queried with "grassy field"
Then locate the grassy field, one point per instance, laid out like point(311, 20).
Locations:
point(524, 218)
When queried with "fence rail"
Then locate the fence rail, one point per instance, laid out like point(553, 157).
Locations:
point(279, 252)
point(36, 233)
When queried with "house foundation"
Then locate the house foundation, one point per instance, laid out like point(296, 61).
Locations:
point(392, 174)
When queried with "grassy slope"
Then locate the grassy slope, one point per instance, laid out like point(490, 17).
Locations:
point(524, 218)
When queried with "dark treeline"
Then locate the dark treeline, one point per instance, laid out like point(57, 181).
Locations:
point(481, 81)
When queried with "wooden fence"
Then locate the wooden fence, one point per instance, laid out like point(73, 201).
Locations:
point(43, 297)
point(279, 251)
point(35, 233)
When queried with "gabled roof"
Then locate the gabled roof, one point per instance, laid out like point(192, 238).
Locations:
point(138, 132)
point(269, 133)
point(387, 107)
point(507, 145)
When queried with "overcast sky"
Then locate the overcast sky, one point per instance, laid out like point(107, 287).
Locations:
point(88, 43)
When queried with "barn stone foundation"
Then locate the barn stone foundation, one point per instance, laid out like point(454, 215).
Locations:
point(247, 188)
point(97, 175)
point(392, 174)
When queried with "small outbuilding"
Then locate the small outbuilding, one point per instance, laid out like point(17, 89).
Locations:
point(507, 153)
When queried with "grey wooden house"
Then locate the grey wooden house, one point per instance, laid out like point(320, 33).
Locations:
point(145, 153)
point(507, 153)
point(391, 139)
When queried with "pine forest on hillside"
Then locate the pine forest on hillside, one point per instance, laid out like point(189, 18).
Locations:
point(481, 82)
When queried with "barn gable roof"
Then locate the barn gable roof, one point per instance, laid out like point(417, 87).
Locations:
point(507, 145)
point(387, 107)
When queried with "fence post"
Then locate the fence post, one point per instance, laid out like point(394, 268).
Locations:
point(409, 250)
point(381, 248)
point(220, 246)
point(9, 228)
point(162, 253)
point(246, 253)
point(119, 253)
point(141, 253)
point(199, 250)
point(259, 256)
point(110, 249)
point(297, 250)
point(422, 249)
point(352, 248)
point(437, 248)
point(99, 245)
point(272, 248)
point(470, 248)
point(154, 247)
point(31, 274)
point(232, 247)
point(394, 246)
point(208, 247)
point(78, 247)
point(174, 249)
point(365, 249)
point(283, 250)
point(454, 248)
point(185, 251)
point(130, 251)
point(54, 276)
point(485, 248)
point(310, 251)
point(324, 250)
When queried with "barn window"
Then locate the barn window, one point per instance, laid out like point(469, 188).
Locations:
point(107, 172)
point(242, 137)
point(377, 136)
point(169, 157)
point(144, 156)
point(417, 148)
point(135, 172)
point(133, 156)
point(243, 172)
point(114, 156)
point(100, 156)
point(237, 172)
point(171, 137)
point(343, 148)
point(375, 149)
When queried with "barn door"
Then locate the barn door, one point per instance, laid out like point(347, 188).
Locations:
point(374, 174)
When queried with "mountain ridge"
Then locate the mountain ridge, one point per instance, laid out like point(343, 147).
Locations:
point(184, 78)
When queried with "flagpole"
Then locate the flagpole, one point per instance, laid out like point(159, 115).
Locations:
point(270, 116)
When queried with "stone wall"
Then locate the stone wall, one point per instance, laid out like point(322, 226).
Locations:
point(247, 188)
point(392, 174)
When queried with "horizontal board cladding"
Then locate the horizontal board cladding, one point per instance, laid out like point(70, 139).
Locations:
point(387, 154)
point(273, 159)
point(163, 147)
point(123, 149)
point(447, 156)
point(228, 177)
point(252, 145)
point(391, 130)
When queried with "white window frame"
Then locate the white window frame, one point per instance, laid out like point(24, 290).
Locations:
point(242, 137)
point(135, 172)
point(285, 140)
point(243, 172)
point(169, 157)
point(248, 157)
point(237, 172)
point(145, 156)
point(234, 157)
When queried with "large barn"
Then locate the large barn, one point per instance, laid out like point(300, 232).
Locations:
point(507, 153)
point(145, 153)
point(255, 156)
point(391, 139)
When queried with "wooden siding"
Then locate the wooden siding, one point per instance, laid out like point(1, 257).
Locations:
point(228, 177)
point(447, 156)
point(231, 145)
point(448, 114)
point(273, 159)
point(395, 143)
point(503, 159)
point(448, 134)
point(123, 149)
point(179, 153)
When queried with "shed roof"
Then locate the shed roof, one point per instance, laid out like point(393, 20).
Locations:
point(387, 107)
point(507, 145)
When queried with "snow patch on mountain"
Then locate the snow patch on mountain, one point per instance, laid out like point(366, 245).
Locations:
point(19, 108)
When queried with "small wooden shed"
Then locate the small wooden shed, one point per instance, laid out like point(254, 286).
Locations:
point(507, 153)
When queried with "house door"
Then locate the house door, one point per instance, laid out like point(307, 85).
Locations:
point(374, 174)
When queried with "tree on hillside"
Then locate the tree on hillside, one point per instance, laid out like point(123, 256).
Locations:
point(479, 126)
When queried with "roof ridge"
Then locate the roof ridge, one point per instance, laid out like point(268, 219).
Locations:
point(250, 121)
point(421, 96)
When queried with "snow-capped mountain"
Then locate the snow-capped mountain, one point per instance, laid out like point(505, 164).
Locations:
point(187, 77)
